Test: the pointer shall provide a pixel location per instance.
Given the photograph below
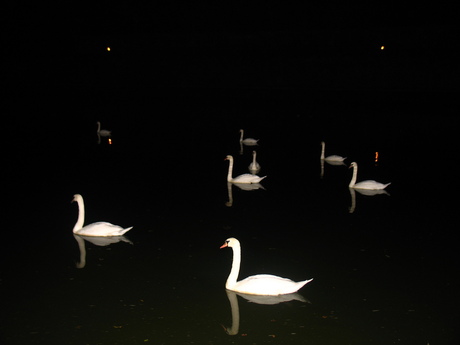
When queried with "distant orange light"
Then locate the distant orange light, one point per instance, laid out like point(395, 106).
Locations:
point(382, 47)
point(110, 141)
point(108, 49)
point(376, 157)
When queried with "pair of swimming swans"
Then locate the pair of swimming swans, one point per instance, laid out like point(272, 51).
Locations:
point(367, 184)
point(244, 178)
point(260, 284)
point(99, 229)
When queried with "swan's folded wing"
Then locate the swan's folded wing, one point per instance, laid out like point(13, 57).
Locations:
point(335, 158)
point(267, 284)
point(247, 178)
point(102, 229)
point(370, 184)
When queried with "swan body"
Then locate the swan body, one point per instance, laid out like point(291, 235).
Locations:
point(103, 132)
point(100, 229)
point(366, 184)
point(254, 167)
point(261, 284)
point(247, 141)
point(244, 178)
point(331, 158)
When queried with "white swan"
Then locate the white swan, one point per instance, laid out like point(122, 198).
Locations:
point(100, 229)
point(247, 141)
point(331, 158)
point(103, 132)
point(367, 184)
point(254, 167)
point(261, 284)
point(244, 178)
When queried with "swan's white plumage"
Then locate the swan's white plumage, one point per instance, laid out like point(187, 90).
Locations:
point(100, 229)
point(254, 167)
point(331, 158)
point(247, 141)
point(261, 284)
point(366, 184)
point(103, 132)
point(244, 178)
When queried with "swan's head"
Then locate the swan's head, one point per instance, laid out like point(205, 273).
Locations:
point(352, 165)
point(77, 197)
point(230, 242)
point(241, 131)
point(228, 158)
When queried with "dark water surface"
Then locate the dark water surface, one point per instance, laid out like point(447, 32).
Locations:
point(383, 265)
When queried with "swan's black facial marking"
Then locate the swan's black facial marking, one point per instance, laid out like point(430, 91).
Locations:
point(226, 244)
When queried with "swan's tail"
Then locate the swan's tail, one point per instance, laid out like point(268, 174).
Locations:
point(298, 285)
point(124, 231)
point(303, 283)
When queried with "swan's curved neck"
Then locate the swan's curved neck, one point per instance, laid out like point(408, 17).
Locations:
point(241, 136)
point(323, 148)
point(233, 276)
point(81, 215)
point(98, 126)
point(230, 170)
point(254, 157)
point(355, 175)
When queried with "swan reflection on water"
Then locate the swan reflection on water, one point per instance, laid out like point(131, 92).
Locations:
point(271, 300)
point(98, 241)
point(242, 186)
point(367, 192)
point(249, 187)
point(266, 300)
point(109, 140)
point(229, 203)
point(336, 163)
